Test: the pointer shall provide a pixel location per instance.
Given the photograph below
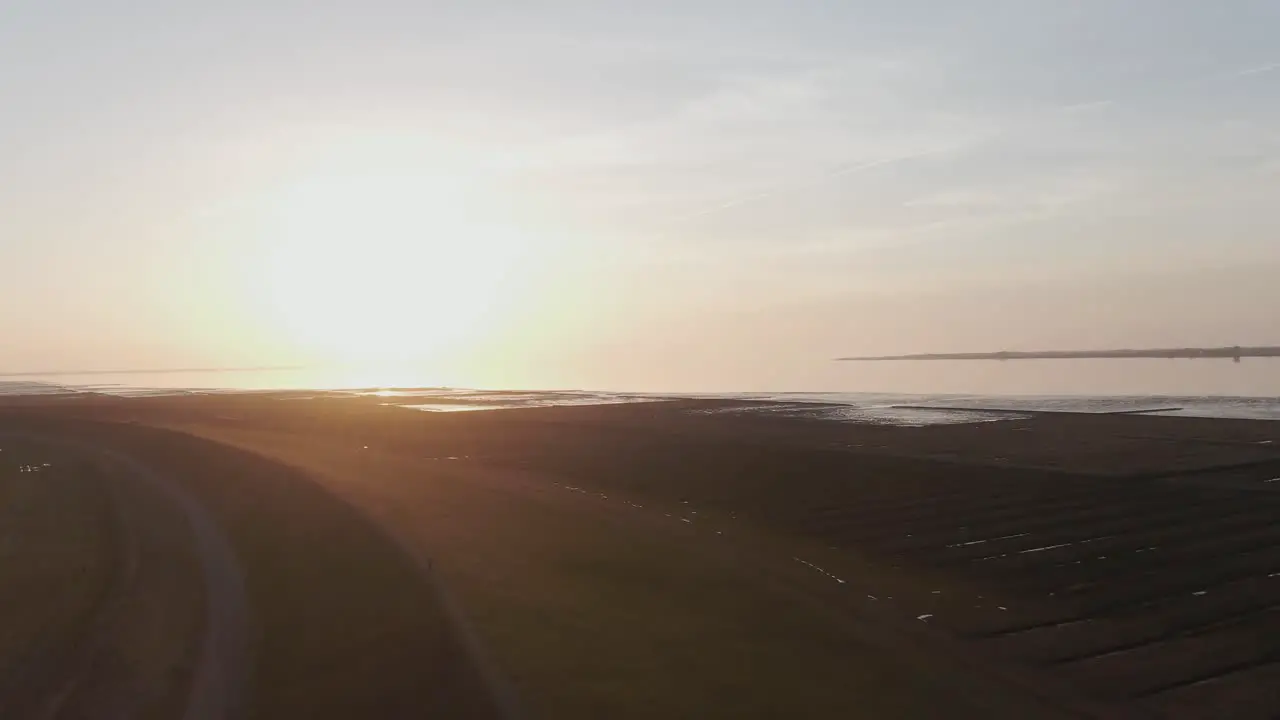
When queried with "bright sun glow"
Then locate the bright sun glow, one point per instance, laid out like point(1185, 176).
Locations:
point(381, 270)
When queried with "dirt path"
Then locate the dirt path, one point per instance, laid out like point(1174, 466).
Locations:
point(346, 623)
point(218, 688)
point(93, 684)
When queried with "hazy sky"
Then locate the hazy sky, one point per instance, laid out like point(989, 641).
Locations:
point(719, 194)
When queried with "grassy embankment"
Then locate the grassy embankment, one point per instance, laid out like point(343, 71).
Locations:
point(592, 615)
point(100, 590)
point(344, 623)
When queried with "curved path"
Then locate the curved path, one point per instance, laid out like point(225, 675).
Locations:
point(218, 686)
point(219, 680)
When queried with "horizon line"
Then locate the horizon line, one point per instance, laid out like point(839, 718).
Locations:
point(161, 371)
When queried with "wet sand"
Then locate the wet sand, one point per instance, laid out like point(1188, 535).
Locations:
point(676, 559)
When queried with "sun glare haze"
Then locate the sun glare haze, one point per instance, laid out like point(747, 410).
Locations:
point(679, 196)
point(377, 270)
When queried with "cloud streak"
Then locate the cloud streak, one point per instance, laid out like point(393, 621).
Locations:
point(780, 190)
point(860, 167)
point(1081, 107)
point(1259, 70)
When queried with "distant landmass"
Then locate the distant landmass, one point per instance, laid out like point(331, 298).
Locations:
point(162, 371)
point(1235, 353)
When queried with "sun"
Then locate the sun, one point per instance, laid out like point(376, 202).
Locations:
point(383, 270)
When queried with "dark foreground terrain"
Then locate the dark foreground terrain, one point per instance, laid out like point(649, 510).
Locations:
point(671, 559)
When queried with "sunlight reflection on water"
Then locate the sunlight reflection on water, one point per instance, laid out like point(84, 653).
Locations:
point(874, 408)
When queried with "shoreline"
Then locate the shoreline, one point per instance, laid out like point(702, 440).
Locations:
point(852, 407)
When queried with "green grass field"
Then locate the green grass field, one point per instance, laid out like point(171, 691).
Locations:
point(100, 589)
point(344, 624)
point(589, 606)
point(58, 553)
point(591, 617)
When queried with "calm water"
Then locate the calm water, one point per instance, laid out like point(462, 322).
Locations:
point(933, 409)
point(865, 407)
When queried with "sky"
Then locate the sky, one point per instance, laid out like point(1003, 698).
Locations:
point(704, 194)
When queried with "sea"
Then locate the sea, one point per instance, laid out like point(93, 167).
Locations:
point(859, 406)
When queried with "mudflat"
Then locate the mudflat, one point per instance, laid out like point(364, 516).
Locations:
point(681, 559)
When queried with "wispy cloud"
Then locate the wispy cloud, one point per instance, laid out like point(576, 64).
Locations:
point(860, 167)
point(1260, 69)
point(1080, 107)
point(848, 169)
point(774, 137)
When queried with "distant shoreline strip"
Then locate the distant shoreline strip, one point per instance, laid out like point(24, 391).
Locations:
point(1015, 411)
point(1233, 353)
point(164, 371)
